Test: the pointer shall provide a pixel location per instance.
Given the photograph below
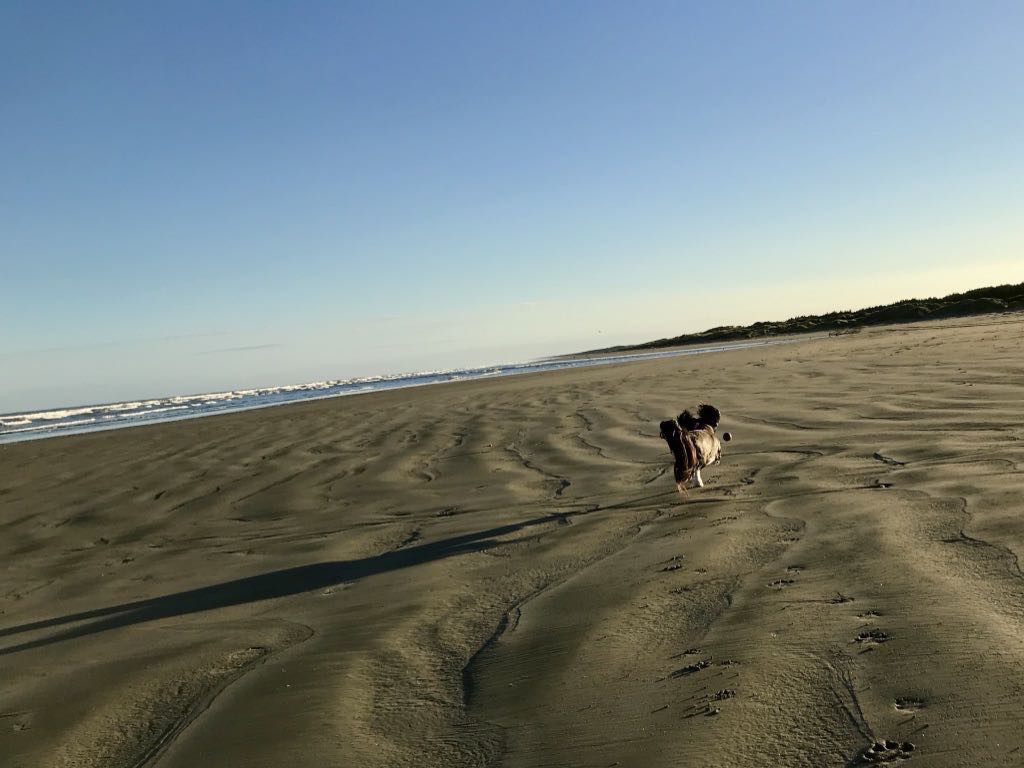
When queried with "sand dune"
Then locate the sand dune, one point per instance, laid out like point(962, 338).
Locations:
point(501, 572)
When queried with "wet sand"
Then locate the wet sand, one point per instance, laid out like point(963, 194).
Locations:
point(501, 572)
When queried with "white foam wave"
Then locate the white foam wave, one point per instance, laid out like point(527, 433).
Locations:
point(16, 426)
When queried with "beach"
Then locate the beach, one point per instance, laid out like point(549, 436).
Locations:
point(501, 572)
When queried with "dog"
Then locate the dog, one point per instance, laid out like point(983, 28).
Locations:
point(693, 443)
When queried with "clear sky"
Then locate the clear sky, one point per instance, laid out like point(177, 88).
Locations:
point(198, 196)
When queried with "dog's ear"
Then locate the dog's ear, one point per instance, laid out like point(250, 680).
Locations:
point(688, 422)
point(709, 415)
point(668, 429)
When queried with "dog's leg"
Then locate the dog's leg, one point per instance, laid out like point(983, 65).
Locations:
point(697, 481)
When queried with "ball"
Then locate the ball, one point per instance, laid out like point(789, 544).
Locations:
point(726, 437)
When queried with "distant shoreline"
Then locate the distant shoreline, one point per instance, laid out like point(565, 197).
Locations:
point(56, 422)
point(980, 301)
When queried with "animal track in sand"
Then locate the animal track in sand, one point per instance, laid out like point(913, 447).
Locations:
point(795, 569)
point(872, 637)
point(411, 538)
point(838, 598)
point(887, 752)
point(888, 460)
point(656, 475)
point(690, 669)
point(872, 614)
point(908, 703)
point(780, 583)
point(700, 709)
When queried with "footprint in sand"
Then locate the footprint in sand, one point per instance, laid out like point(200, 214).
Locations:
point(868, 615)
point(780, 583)
point(887, 752)
point(690, 669)
point(724, 520)
point(908, 703)
point(872, 637)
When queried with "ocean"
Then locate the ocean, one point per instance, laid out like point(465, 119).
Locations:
point(89, 418)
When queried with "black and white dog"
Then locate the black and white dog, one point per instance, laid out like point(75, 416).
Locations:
point(693, 443)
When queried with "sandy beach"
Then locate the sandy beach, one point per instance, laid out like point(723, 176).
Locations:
point(502, 573)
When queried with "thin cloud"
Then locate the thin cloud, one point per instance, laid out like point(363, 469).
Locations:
point(251, 348)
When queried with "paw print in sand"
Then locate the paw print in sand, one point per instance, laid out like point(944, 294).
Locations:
point(908, 703)
point(871, 637)
point(887, 752)
point(690, 669)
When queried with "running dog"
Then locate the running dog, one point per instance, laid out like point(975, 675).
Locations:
point(693, 443)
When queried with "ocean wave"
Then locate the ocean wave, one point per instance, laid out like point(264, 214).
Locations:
point(45, 423)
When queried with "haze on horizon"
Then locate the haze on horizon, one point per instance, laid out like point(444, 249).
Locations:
point(203, 197)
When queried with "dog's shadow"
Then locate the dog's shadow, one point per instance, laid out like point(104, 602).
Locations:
point(267, 586)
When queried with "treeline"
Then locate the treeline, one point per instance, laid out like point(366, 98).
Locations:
point(980, 301)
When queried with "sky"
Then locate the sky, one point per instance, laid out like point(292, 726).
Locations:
point(203, 196)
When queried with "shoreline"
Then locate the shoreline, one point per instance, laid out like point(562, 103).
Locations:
point(384, 383)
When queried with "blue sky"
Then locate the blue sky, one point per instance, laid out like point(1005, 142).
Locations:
point(204, 196)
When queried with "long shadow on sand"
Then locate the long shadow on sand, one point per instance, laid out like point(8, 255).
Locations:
point(266, 586)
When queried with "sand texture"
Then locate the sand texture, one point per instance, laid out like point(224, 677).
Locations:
point(501, 572)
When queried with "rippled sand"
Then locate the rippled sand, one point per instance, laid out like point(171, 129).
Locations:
point(501, 572)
